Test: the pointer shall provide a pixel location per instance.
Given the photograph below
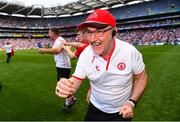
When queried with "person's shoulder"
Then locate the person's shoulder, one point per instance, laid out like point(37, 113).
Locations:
point(87, 49)
point(118, 41)
point(86, 56)
point(123, 45)
point(87, 52)
point(7, 46)
point(60, 39)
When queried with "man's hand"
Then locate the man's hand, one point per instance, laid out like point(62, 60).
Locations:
point(42, 51)
point(64, 88)
point(66, 47)
point(126, 110)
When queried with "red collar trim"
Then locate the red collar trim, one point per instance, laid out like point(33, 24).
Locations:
point(109, 58)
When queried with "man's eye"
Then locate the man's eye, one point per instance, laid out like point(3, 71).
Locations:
point(99, 31)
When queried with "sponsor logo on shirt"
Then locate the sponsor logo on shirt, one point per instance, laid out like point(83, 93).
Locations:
point(97, 68)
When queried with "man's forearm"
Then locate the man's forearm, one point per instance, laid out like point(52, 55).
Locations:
point(50, 50)
point(71, 54)
point(75, 44)
point(139, 85)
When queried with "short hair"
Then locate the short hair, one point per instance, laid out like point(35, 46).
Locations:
point(83, 30)
point(55, 30)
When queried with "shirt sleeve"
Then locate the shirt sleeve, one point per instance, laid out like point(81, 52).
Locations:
point(61, 39)
point(138, 64)
point(58, 42)
point(79, 50)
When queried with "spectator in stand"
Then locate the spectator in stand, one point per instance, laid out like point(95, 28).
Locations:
point(39, 44)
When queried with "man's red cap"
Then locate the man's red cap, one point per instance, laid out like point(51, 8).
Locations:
point(99, 18)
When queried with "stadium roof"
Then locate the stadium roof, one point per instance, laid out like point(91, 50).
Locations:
point(73, 8)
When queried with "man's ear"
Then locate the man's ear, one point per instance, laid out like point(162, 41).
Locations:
point(114, 32)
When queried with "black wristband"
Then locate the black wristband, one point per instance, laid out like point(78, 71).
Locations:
point(135, 102)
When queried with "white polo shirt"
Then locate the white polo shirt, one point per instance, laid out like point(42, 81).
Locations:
point(62, 59)
point(8, 48)
point(111, 81)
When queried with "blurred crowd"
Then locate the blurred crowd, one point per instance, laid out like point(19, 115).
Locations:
point(21, 44)
point(148, 24)
point(136, 32)
point(8, 21)
point(150, 36)
point(135, 37)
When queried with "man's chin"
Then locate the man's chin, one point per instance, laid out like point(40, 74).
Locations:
point(97, 52)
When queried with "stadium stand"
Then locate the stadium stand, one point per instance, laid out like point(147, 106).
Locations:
point(145, 23)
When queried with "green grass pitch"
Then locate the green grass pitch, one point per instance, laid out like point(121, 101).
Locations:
point(29, 81)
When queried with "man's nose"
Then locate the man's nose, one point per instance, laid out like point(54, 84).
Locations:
point(93, 38)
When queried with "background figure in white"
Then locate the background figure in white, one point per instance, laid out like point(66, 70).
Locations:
point(8, 49)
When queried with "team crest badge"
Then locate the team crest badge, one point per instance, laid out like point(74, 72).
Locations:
point(121, 66)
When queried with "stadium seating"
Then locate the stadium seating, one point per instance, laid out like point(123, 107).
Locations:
point(135, 23)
